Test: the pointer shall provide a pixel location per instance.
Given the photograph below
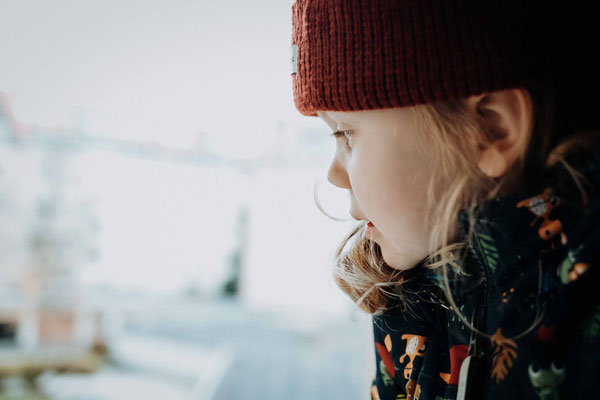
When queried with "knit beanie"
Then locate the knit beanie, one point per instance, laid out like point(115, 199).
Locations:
point(351, 55)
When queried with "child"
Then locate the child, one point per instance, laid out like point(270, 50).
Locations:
point(467, 138)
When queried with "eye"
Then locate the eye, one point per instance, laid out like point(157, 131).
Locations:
point(347, 134)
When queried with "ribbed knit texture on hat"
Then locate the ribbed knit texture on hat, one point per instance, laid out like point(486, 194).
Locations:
point(371, 54)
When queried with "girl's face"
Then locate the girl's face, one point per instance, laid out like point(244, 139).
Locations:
point(387, 171)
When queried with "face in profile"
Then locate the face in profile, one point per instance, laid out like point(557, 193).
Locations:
point(386, 170)
point(384, 163)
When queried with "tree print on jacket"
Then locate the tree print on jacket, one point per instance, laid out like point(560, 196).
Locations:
point(504, 353)
point(486, 243)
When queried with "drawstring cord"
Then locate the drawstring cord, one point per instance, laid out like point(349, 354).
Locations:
point(540, 311)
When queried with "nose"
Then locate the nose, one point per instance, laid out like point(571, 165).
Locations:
point(337, 174)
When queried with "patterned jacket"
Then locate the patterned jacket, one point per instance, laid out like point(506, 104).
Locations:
point(534, 260)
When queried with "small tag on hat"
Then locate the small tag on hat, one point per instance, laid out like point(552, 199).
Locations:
point(294, 58)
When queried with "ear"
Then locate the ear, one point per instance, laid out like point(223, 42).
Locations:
point(507, 116)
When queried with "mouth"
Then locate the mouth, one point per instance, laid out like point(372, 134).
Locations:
point(371, 230)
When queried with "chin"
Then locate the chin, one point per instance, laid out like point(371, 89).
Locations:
point(389, 260)
point(395, 261)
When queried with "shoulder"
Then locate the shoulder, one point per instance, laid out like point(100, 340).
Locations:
point(544, 302)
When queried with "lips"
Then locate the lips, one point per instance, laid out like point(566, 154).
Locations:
point(371, 231)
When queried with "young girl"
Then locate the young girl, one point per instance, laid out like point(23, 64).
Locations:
point(467, 138)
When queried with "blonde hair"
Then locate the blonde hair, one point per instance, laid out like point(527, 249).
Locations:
point(452, 135)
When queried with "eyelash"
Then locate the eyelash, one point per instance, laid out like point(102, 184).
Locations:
point(342, 133)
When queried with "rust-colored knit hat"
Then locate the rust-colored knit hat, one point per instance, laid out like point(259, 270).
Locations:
point(367, 54)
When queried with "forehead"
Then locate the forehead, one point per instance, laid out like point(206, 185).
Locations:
point(342, 119)
point(343, 116)
point(379, 117)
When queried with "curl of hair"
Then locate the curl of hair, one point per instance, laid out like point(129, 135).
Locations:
point(360, 272)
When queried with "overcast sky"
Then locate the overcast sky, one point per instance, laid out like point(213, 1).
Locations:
point(154, 69)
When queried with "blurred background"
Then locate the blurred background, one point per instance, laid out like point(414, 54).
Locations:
point(158, 231)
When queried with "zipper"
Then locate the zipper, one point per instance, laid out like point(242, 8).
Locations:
point(471, 380)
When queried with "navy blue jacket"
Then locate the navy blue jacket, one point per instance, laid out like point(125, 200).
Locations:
point(535, 258)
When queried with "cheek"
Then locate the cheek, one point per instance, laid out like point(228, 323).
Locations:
point(391, 190)
point(386, 182)
point(371, 184)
